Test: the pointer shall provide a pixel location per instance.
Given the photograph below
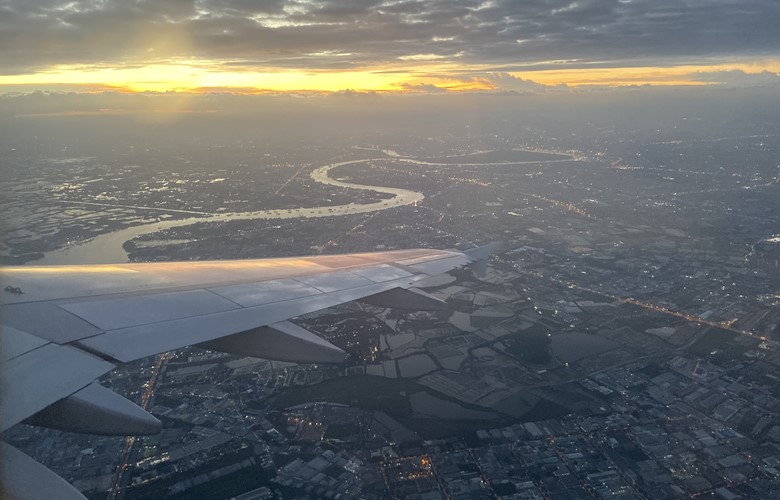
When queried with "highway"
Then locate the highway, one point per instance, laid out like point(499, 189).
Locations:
point(725, 325)
point(117, 489)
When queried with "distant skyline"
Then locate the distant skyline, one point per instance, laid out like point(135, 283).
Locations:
point(429, 46)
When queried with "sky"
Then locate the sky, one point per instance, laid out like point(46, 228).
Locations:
point(393, 46)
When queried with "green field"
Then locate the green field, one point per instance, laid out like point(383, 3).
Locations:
point(531, 345)
point(723, 343)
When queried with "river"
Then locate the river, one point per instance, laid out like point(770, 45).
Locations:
point(108, 248)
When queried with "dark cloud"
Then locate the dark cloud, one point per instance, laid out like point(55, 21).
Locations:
point(307, 34)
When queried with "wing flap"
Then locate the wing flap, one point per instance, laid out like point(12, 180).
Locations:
point(409, 299)
point(282, 341)
point(97, 410)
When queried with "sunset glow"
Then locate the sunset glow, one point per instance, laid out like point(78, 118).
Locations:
point(387, 46)
point(207, 76)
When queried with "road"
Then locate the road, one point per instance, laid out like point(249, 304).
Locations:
point(726, 325)
point(117, 489)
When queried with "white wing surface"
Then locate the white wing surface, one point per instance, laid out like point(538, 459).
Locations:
point(62, 327)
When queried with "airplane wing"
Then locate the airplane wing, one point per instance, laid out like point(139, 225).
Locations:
point(62, 327)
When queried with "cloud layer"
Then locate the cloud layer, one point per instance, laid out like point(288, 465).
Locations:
point(498, 35)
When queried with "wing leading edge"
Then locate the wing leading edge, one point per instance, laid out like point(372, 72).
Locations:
point(65, 326)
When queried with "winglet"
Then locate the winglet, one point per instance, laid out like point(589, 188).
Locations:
point(483, 252)
point(479, 255)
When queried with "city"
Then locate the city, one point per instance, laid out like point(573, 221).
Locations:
point(624, 342)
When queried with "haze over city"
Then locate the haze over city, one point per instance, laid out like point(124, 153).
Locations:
point(622, 341)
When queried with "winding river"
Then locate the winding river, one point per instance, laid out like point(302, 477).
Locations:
point(108, 248)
